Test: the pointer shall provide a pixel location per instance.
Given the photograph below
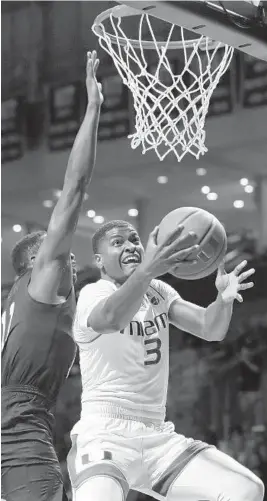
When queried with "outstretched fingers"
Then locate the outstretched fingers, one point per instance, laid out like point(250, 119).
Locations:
point(183, 242)
point(154, 235)
point(96, 64)
point(173, 236)
point(94, 57)
point(183, 254)
point(240, 267)
point(89, 65)
point(239, 298)
point(245, 275)
point(221, 269)
point(92, 63)
point(243, 287)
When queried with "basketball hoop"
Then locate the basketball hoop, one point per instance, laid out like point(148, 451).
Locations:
point(171, 106)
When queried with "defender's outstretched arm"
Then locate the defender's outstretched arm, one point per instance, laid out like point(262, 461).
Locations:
point(54, 254)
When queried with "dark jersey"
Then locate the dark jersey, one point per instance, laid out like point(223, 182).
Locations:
point(37, 353)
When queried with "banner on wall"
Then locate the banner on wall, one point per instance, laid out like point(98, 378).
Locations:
point(12, 125)
point(64, 115)
point(115, 117)
point(254, 82)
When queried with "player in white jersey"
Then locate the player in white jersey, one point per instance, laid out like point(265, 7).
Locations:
point(122, 329)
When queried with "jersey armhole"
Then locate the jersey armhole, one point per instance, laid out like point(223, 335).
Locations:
point(41, 303)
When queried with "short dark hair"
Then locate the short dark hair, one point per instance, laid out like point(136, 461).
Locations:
point(101, 232)
point(25, 249)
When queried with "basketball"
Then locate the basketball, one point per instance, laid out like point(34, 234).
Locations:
point(211, 237)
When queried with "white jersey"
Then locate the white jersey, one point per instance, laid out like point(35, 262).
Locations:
point(130, 368)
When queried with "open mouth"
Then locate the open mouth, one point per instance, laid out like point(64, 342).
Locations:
point(134, 259)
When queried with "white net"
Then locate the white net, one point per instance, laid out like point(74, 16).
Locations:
point(171, 96)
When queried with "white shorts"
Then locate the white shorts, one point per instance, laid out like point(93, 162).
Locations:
point(141, 456)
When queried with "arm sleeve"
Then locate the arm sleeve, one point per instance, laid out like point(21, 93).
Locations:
point(89, 298)
point(168, 293)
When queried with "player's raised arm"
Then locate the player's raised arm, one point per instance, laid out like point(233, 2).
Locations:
point(54, 254)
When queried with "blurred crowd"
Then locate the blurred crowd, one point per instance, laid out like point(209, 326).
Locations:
point(249, 448)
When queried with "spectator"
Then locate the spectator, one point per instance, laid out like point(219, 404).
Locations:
point(235, 446)
point(250, 380)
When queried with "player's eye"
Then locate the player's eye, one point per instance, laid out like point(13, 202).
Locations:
point(117, 242)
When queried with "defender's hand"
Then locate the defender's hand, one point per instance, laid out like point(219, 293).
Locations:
point(161, 258)
point(94, 88)
point(230, 284)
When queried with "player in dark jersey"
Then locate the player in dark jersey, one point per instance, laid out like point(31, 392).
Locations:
point(37, 345)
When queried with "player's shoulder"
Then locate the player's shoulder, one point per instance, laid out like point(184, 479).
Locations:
point(161, 288)
point(100, 286)
point(20, 286)
point(161, 293)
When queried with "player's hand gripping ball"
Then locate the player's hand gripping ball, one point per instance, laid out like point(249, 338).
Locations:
point(211, 238)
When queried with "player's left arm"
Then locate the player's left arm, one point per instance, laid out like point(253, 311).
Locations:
point(212, 323)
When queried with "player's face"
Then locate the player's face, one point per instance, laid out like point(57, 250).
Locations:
point(120, 253)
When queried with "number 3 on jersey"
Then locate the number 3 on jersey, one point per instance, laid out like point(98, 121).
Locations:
point(6, 323)
point(154, 352)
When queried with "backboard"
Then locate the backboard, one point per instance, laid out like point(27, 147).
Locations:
point(240, 24)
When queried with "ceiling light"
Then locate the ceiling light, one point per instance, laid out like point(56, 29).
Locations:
point(91, 213)
point(99, 219)
point(162, 179)
point(200, 171)
point(249, 188)
point(212, 196)
point(48, 203)
point(133, 212)
point(17, 228)
point(205, 189)
point(57, 193)
point(238, 204)
point(243, 181)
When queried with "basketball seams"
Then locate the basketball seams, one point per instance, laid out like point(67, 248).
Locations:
point(212, 240)
point(188, 216)
point(185, 217)
point(210, 228)
point(202, 242)
point(214, 265)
